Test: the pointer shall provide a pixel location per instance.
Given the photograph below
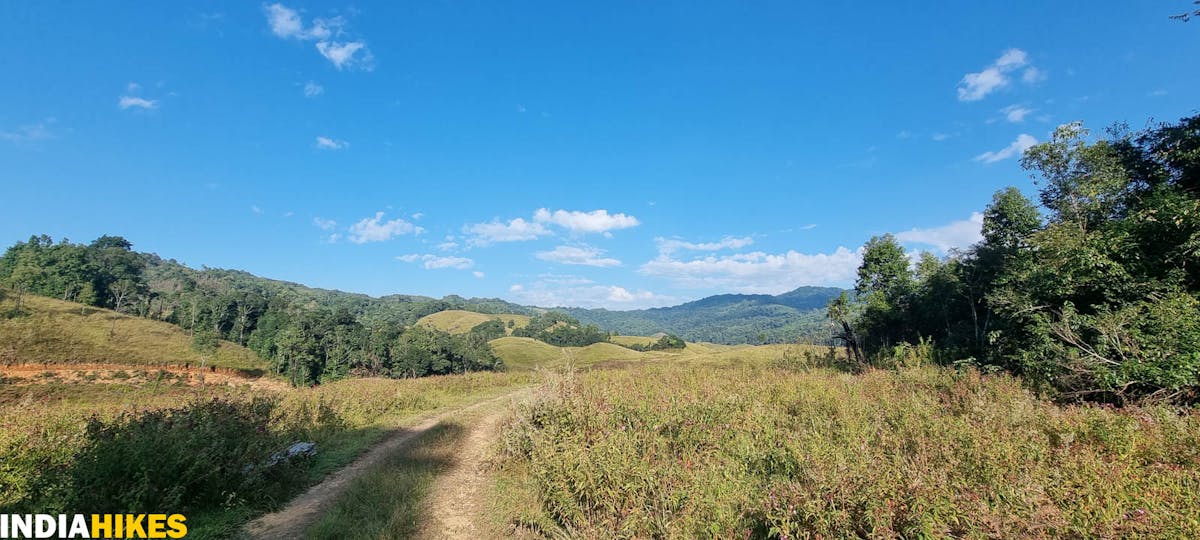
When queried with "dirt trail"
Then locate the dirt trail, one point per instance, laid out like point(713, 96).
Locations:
point(292, 520)
point(457, 498)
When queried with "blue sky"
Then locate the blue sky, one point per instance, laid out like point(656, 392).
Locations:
point(616, 154)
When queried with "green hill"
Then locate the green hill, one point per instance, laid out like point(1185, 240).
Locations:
point(726, 318)
point(457, 321)
point(50, 331)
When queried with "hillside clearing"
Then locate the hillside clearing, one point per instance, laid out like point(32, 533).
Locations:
point(456, 321)
point(52, 331)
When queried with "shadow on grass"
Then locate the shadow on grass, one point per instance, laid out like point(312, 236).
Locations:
point(387, 501)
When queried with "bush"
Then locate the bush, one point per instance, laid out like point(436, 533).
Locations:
point(202, 455)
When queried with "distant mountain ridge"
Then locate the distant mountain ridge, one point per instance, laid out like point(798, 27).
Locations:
point(732, 319)
point(726, 318)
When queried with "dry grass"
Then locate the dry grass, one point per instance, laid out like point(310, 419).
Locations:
point(457, 321)
point(56, 332)
point(752, 451)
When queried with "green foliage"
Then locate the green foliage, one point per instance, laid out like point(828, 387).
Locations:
point(1098, 300)
point(203, 455)
point(424, 351)
point(664, 343)
point(489, 330)
point(561, 330)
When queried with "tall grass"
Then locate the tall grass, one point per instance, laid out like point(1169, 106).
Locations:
point(746, 451)
point(58, 441)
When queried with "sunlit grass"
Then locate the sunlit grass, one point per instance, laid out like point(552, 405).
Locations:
point(50, 331)
point(697, 450)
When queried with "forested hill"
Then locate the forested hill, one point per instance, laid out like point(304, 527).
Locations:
point(727, 318)
point(250, 310)
point(168, 280)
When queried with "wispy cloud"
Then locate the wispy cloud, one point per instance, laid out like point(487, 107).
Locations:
point(324, 224)
point(342, 53)
point(515, 230)
point(757, 272)
point(312, 89)
point(437, 262)
point(671, 245)
point(595, 221)
point(329, 143)
point(958, 234)
point(572, 221)
point(29, 133)
point(375, 229)
point(1016, 148)
point(1016, 113)
point(976, 86)
point(134, 102)
point(578, 255)
point(570, 291)
point(287, 23)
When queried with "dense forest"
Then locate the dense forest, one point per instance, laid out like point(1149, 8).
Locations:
point(308, 335)
point(1092, 294)
point(731, 319)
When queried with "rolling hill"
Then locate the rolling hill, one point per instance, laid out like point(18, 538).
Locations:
point(56, 332)
point(457, 321)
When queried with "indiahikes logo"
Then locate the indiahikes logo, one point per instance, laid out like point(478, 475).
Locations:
point(92, 526)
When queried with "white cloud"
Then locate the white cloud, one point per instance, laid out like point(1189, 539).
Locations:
point(959, 234)
point(254, 208)
point(29, 133)
point(671, 245)
point(287, 23)
point(376, 230)
point(435, 262)
point(447, 246)
point(1016, 113)
point(976, 86)
point(312, 89)
point(342, 54)
point(284, 22)
point(328, 143)
point(579, 255)
point(478, 274)
point(324, 224)
point(939, 137)
point(516, 230)
point(596, 221)
point(520, 229)
point(127, 102)
point(757, 272)
point(1033, 75)
point(1016, 148)
point(556, 294)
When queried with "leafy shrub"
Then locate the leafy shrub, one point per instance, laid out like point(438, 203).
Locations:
point(202, 455)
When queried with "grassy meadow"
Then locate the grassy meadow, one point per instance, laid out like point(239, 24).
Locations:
point(52, 331)
point(737, 450)
point(457, 321)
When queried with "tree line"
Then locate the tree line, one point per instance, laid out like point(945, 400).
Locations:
point(1092, 292)
point(307, 335)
